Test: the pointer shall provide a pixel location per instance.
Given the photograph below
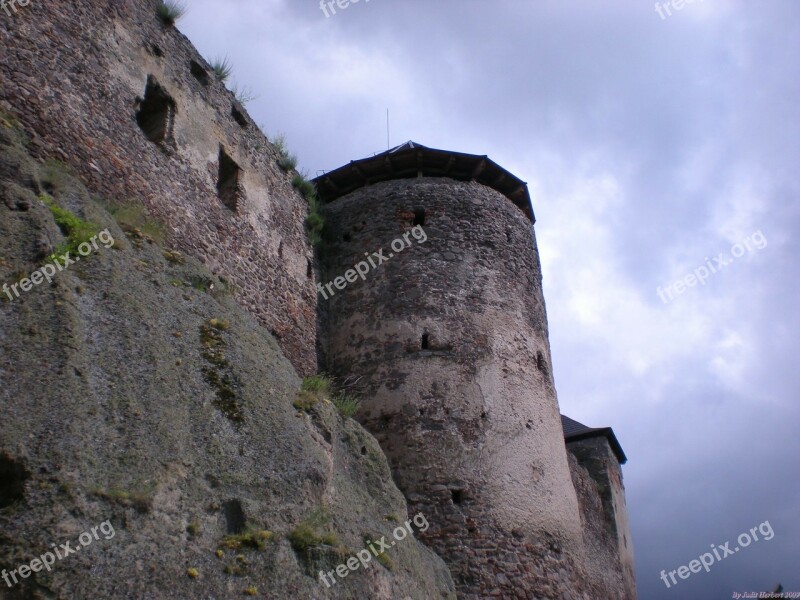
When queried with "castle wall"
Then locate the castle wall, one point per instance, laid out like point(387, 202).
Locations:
point(597, 477)
point(471, 424)
point(72, 72)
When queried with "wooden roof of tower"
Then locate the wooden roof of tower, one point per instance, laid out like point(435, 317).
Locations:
point(411, 160)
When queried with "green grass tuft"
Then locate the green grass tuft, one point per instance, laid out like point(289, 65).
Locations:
point(317, 383)
point(347, 404)
point(286, 160)
point(313, 390)
point(194, 529)
point(141, 499)
point(306, 536)
point(76, 230)
point(222, 68)
point(319, 388)
point(255, 540)
point(315, 222)
point(170, 11)
point(279, 141)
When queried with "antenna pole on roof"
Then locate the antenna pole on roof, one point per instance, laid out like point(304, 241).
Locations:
point(388, 147)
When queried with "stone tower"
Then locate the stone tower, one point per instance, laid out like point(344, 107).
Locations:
point(449, 338)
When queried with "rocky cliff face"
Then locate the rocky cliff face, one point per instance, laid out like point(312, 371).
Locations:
point(136, 397)
point(132, 107)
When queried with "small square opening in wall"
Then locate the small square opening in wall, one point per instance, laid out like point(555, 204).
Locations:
point(419, 217)
point(199, 72)
point(228, 186)
point(156, 114)
point(239, 117)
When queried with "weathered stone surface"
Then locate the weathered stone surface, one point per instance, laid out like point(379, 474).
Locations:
point(75, 73)
point(597, 476)
point(454, 357)
point(108, 413)
point(448, 337)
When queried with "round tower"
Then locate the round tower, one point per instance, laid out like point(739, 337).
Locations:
point(447, 332)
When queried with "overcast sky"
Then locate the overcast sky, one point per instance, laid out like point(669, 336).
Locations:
point(651, 146)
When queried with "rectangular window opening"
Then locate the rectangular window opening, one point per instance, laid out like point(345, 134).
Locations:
point(156, 115)
point(419, 217)
point(199, 72)
point(239, 117)
point(228, 187)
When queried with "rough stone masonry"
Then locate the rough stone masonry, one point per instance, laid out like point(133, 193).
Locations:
point(450, 340)
point(131, 105)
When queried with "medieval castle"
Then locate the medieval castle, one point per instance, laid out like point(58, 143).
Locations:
point(449, 340)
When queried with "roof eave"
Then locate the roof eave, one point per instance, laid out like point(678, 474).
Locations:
point(605, 432)
point(395, 164)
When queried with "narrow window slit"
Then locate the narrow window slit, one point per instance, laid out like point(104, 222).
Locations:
point(234, 517)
